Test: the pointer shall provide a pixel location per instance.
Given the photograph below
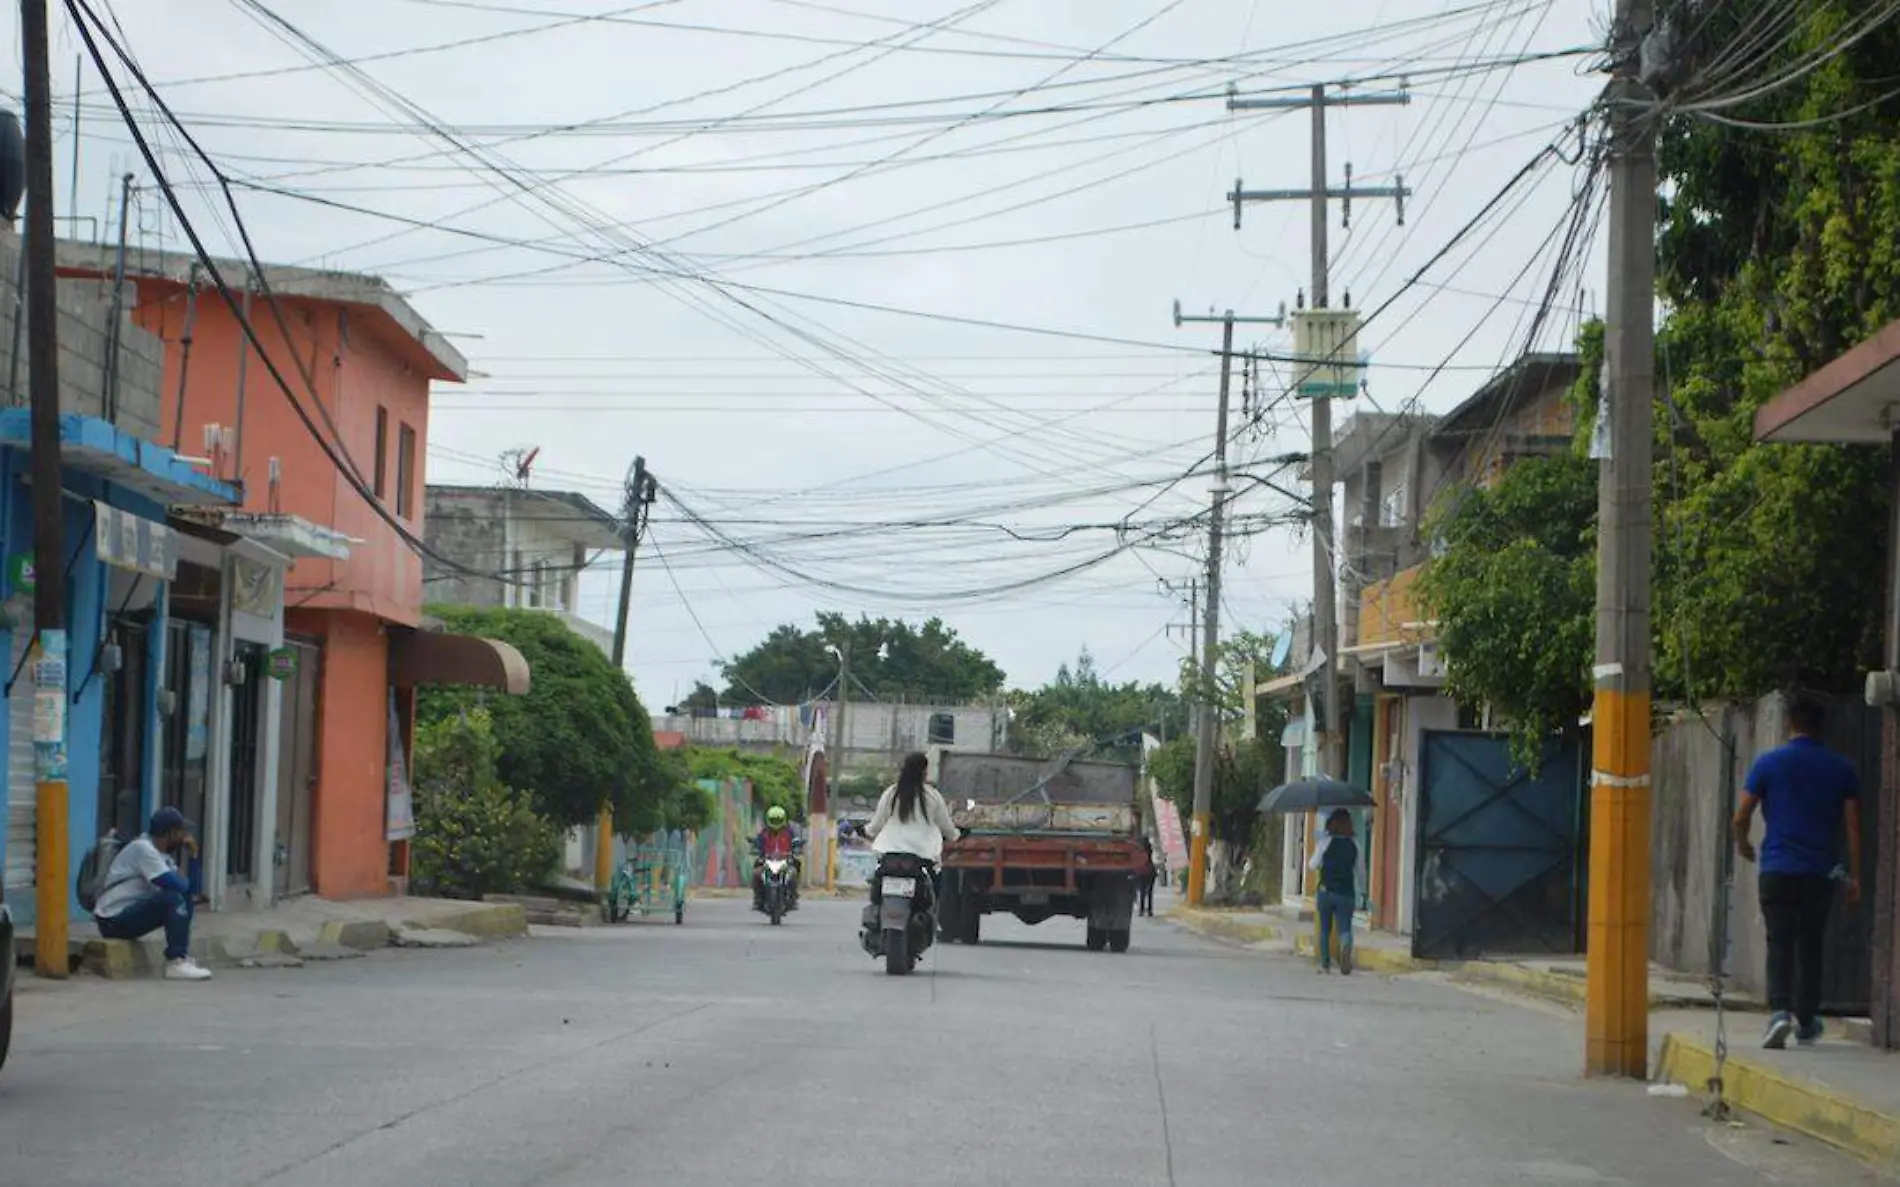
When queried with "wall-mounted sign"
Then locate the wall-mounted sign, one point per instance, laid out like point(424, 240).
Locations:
point(127, 541)
point(283, 663)
point(20, 572)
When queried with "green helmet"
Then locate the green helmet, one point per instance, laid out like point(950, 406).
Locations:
point(775, 817)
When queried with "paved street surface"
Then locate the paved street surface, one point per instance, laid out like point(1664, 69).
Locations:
point(727, 1052)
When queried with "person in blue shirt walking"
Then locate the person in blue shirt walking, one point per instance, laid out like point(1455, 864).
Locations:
point(1806, 792)
point(1337, 860)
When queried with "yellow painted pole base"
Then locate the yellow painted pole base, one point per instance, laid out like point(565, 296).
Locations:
point(1197, 861)
point(1616, 981)
point(604, 849)
point(52, 858)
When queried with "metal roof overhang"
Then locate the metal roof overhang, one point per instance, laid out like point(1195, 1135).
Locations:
point(292, 535)
point(1854, 400)
point(95, 446)
point(424, 657)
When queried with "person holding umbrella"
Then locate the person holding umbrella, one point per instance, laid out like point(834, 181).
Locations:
point(1336, 859)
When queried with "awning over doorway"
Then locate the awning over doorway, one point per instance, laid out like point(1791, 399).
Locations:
point(1854, 400)
point(437, 657)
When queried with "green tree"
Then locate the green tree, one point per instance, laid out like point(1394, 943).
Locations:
point(703, 696)
point(1513, 589)
point(1243, 772)
point(889, 657)
point(1779, 250)
point(775, 781)
point(474, 835)
point(1079, 707)
point(579, 738)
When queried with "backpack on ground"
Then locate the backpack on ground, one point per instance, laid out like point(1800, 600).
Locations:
point(94, 867)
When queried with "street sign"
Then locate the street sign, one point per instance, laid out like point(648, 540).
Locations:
point(283, 663)
point(20, 572)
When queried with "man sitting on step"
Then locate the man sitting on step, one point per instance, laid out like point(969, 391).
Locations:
point(143, 891)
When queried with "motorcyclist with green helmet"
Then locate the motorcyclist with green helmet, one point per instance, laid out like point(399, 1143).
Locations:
point(779, 838)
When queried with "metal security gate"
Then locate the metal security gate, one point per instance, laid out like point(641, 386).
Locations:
point(1499, 851)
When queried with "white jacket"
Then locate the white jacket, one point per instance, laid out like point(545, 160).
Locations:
point(923, 834)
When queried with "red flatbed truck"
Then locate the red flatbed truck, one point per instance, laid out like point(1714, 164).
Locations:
point(1041, 838)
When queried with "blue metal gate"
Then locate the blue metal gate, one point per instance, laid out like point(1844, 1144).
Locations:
point(1499, 867)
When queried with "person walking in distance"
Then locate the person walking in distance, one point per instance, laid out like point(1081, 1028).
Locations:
point(1337, 860)
point(1145, 879)
point(1806, 794)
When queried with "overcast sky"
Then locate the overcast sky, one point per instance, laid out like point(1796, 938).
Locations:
point(734, 237)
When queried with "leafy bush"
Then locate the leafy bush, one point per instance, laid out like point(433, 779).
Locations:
point(474, 836)
point(775, 782)
point(579, 738)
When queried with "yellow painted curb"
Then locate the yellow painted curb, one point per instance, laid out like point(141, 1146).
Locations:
point(1557, 987)
point(1220, 926)
point(1370, 958)
point(1791, 1102)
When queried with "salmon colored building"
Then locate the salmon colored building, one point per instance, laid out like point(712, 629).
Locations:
point(359, 363)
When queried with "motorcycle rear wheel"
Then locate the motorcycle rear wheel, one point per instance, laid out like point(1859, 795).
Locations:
point(897, 959)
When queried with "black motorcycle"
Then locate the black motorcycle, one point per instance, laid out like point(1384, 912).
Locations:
point(900, 921)
point(780, 893)
point(777, 890)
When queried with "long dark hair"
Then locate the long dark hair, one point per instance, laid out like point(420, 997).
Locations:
point(910, 785)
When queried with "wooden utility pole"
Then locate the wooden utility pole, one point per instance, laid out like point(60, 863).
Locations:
point(1207, 723)
point(638, 496)
point(52, 846)
point(1616, 1012)
point(1318, 193)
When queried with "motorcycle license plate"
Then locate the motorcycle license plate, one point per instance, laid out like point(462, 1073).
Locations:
point(900, 887)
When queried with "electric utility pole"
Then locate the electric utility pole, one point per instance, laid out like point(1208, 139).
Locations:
point(1341, 333)
point(52, 850)
point(638, 497)
point(1207, 724)
point(1616, 1003)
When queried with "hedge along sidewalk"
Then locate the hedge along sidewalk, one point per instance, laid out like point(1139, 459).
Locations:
point(290, 932)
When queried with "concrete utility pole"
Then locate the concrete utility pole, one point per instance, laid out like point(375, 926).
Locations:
point(1207, 723)
point(834, 771)
point(1325, 592)
point(52, 849)
point(1616, 1014)
point(639, 494)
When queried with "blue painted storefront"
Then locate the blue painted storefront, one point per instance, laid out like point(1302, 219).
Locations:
point(104, 464)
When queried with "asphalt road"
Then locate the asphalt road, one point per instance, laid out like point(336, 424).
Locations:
point(727, 1052)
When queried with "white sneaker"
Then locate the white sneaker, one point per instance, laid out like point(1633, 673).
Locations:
point(186, 969)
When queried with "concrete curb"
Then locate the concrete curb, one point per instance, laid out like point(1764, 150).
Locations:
point(1789, 1101)
point(487, 921)
point(362, 934)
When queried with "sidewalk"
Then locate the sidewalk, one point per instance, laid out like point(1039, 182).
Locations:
point(1840, 1091)
point(1557, 980)
point(293, 931)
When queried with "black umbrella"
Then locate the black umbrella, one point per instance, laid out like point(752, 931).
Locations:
point(1308, 795)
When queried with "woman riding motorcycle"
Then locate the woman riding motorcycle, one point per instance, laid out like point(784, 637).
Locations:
point(911, 816)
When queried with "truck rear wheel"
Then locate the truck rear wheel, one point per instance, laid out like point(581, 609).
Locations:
point(972, 921)
point(1118, 941)
point(1097, 939)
